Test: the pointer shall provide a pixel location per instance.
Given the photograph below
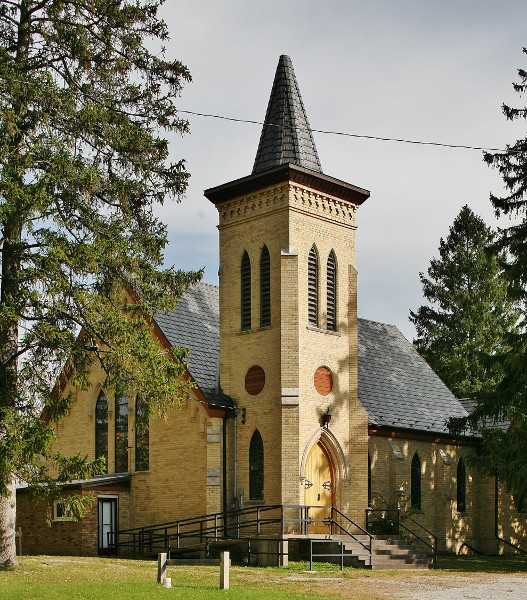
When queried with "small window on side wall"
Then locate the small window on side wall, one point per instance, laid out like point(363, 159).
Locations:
point(61, 512)
point(461, 486)
point(256, 467)
point(415, 485)
point(520, 503)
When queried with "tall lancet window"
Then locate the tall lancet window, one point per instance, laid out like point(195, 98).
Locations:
point(121, 432)
point(256, 467)
point(312, 287)
point(265, 288)
point(141, 435)
point(416, 482)
point(461, 486)
point(331, 270)
point(101, 428)
point(246, 292)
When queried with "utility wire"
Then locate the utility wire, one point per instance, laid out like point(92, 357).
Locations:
point(353, 135)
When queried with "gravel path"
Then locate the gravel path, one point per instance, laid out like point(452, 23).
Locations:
point(501, 587)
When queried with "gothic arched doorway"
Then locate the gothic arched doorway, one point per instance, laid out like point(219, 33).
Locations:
point(319, 486)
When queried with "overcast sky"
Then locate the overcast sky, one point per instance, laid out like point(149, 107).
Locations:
point(423, 70)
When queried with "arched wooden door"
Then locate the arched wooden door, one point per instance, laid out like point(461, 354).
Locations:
point(319, 487)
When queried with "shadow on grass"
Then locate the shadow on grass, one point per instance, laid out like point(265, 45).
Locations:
point(482, 564)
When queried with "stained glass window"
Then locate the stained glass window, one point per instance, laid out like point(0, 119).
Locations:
point(416, 482)
point(142, 453)
point(121, 433)
point(101, 428)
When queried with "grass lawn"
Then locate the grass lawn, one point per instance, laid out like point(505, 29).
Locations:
point(71, 578)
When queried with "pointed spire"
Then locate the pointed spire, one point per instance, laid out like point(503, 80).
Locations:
point(286, 134)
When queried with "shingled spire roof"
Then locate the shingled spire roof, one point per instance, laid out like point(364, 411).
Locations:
point(286, 135)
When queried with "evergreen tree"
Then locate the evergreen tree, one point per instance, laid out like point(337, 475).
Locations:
point(470, 310)
point(85, 98)
point(504, 452)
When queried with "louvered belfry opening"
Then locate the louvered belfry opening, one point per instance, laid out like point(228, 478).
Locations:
point(246, 292)
point(331, 292)
point(312, 287)
point(265, 288)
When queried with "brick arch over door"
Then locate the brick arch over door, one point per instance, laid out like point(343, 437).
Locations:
point(334, 449)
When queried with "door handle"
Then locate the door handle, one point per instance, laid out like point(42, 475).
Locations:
point(319, 497)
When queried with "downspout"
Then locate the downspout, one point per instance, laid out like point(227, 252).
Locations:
point(224, 467)
point(235, 458)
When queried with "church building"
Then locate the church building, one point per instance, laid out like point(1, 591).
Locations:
point(297, 401)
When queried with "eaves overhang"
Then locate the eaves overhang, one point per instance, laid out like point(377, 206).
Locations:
point(422, 435)
point(290, 173)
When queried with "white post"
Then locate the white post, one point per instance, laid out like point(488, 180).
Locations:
point(224, 571)
point(161, 567)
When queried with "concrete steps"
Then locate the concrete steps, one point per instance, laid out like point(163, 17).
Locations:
point(387, 554)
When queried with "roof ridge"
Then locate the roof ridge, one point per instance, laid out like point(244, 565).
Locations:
point(379, 323)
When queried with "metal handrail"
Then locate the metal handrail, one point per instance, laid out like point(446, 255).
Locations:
point(364, 531)
point(400, 512)
point(432, 546)
point(500, 539)
point(160, 536)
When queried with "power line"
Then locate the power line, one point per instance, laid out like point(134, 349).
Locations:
point(353, 135)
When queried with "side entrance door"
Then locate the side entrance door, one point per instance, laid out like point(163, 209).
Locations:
point(107, 509)
point(319, 491)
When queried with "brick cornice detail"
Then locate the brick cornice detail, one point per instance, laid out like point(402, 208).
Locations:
point(289, 195)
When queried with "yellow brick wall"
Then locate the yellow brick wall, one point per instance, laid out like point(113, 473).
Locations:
point(439, 513)
point(184, 477)
point(289, 219)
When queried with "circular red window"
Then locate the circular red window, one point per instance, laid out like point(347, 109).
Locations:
point(255, 380)
point(323, 381)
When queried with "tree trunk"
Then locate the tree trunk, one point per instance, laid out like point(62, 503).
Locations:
point(7, 527)
point(11, 231)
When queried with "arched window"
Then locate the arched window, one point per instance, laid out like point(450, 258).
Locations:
point(520, 502)
point(256, 467)
point(101, 428)
point(312, 287)
point(331, 271)
point(265, 288)
point(246, 292)
point(369, 479)
point(416, 482)
point(142, 453)
point(461, 486)
point(121, 433)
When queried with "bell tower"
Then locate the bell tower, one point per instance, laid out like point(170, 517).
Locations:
point(288, 320)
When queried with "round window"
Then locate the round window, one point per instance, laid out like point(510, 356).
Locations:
point(323, 381)
point(255, 380)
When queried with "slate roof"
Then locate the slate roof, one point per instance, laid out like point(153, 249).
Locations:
point(396, 385)
point(195, 325)
point(286, 134)
point(469, 405)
